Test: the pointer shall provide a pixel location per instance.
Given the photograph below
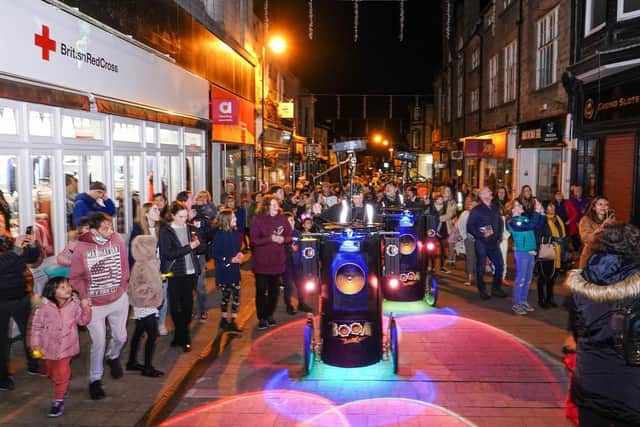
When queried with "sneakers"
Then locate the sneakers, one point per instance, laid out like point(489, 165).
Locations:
point(162, 330)
point(271, 321)
point(115, 368)
point(96, 392)
point(527, 306)
point(204, 316)
point(57, 408)
point(262, 324)
point(483, 295)
point(519, 310)
point(444, 270)
point(224, 324)
point(7, 384)
point(467, 283)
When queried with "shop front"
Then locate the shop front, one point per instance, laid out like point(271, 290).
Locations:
point(607, 129)
point(233, 144)
point(277, 160)
point(485, 161)
point(542, 156)
point(77, 105)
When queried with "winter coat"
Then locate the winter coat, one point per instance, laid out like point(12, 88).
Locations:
point(54, 330)
point(269, 257)
point(226, 245)
point(172, 252)
point(522, 230)
point(85, 205)
point(13, 269)
point(602, 381)
point(100, 271)
point(588, 229)
point(145, 283)
point(482, 216)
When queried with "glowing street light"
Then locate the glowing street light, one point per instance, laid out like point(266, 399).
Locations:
point(385, 142)
point(377, 138)
point(277, 44)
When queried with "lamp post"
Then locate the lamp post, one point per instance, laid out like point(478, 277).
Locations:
point(277, 45)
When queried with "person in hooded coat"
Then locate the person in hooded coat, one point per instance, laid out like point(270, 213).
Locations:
point(604, 386)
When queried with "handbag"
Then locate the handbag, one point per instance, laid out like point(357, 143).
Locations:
point(547, 251)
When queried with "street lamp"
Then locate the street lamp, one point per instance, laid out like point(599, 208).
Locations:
point(277, 44)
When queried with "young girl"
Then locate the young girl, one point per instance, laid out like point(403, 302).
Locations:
point(54, 334)
point(225, 250)
point(145, 296)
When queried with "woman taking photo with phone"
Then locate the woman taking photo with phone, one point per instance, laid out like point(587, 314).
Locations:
point(15, 294)
point(177, 243)
point(597, 216)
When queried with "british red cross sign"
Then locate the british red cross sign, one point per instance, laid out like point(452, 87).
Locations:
point(45, 43)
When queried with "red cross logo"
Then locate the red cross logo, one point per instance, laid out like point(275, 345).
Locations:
point(44, 42)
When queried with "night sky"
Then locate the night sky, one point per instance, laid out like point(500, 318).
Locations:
point(378, 63)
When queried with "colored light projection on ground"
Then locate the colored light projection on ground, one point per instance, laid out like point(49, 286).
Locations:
point(443, 358)
point(286, 408)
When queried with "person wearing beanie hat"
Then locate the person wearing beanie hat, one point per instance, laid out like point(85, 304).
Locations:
point(94, 200)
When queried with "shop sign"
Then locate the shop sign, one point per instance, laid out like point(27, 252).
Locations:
point(42, 43)
point(626, 105)
point(286, 110)
point(232, 117)
point(541, 133)
point(483, 148)
point(224, 111)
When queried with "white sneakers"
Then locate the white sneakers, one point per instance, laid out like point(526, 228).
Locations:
point(522, 309)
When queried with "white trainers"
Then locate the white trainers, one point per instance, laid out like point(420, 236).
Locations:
point(519, 310)
point(527, 307)
point(162, 330)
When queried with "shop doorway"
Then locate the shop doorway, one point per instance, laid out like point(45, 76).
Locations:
point(549, 174)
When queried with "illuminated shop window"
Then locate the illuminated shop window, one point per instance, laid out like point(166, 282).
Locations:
point(169, 136)
point(76, 127)
point(126, 132)
point(8, 121)
point(40, 123)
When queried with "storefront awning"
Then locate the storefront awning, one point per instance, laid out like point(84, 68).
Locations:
point(21, 91)
point(140, 112)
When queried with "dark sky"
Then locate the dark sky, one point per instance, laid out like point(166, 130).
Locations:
point(378, 63)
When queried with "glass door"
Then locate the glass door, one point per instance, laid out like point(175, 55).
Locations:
point(549, 167)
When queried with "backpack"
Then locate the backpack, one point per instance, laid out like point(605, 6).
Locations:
point(625, 324)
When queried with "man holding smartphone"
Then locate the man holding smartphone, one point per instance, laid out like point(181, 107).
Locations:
point(94, 200)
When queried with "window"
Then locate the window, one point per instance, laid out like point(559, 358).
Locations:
point(126, 132)
point(76, 127)
point(628, 9)
point(449, 93)
point(475, 100)
point(506, 3)
point(491, 20)
point(8, 121)
point(40, 123)
point(547, 49)
point(459, 88)
point(493, 81)
point(475, 59)
point(169, 136)
point(510, 64)
point(595, 16)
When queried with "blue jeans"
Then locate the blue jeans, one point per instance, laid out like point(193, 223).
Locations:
point(495, 255)
point(524, 272)
point(165, 304)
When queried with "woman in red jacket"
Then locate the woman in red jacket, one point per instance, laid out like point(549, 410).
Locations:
point(270, 231)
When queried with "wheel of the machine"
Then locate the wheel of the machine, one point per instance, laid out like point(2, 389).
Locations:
point(393, 345)
point(431, 290)
point(309, 354)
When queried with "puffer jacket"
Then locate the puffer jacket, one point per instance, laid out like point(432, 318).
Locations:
point(54, 330)
point(602, 381)
point(145, 284)
point(522, 230)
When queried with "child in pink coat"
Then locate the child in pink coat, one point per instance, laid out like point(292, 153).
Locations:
point(54, 334)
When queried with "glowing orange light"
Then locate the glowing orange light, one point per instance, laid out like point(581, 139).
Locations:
point(277, 44)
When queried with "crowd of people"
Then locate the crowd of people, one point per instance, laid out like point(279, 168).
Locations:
point(104, 280)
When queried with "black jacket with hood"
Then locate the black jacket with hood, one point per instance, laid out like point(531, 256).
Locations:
point(172, 252)
point(602, 380)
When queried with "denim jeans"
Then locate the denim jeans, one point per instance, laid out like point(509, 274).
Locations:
point(165, 303)
point(524, 272)
point(493, 252)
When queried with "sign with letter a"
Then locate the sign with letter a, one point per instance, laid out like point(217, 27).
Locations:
point(225, 111)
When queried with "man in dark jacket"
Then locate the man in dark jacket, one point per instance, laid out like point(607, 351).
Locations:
point(486, 226)
point(94, 200)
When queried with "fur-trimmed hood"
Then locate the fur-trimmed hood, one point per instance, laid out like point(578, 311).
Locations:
point(607, 278)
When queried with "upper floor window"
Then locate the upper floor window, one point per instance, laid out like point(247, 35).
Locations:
point(510, 64)
point(547, 49)
point(475, 59)
point(475, 100)
point(628, 9)
point(493, 81)
point(595, 16)
point(459, 88)
point(506, 3)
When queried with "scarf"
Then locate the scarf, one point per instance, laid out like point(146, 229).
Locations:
point(557, 231)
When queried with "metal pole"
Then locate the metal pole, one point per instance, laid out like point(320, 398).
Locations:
point(264, 118)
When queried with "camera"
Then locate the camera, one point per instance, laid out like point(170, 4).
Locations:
point(29, 229)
